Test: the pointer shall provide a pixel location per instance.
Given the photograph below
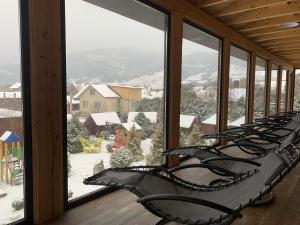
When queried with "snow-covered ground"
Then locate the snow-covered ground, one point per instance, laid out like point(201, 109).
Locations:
point(82, 167)
point(7, 213)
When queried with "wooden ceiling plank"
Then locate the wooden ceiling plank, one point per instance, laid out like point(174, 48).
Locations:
point(267, 22)
point(207, 3)
point(280, 41)
point(243, 6)
point(264, 31)
point(265, 13)
point(286, 34)
point(286, 50)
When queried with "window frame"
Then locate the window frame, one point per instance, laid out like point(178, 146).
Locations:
point(103, 191)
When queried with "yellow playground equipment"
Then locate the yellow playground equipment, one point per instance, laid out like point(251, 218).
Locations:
point(90, 146)
point(11, 157)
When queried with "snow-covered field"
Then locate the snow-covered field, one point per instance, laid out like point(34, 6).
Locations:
point(7, 213)
point(82, 167)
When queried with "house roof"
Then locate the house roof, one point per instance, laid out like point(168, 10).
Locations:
point(15, 85)
point(128, 126)
point(10, 137)
point(102, 89)
point(74, 101)
point(101, 119)
point(238, 122)
point(152, 116)
point(211, 120)
point(186, 121)
point(7, 113)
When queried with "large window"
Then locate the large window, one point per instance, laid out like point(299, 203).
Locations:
point(273, 94)
point(283, 90)
point(115, 56)
point(13, 158)
point(260, 88)
point(297, 90)
point(238, 80)
point(199, 85)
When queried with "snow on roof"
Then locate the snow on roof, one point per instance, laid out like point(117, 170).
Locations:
point(238, 122)
point(102, 119)
point(128, 126)
point(102, 89)
point(124, 86)
point(10, 137)
point(152, 116)
point(7, 113)
point(15, 85)
point(10, 94)
point(186, 121)
point(74, 101)
point(211, 120)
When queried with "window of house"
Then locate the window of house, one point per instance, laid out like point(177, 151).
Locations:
point(109, 43)
point(238, 82)
point(97, 105)
point(283, 90)
point(260, 88)
point(296, 105)
point(273, 94)
point(14, 155)
point(92, 92)
point(85, 104)
point(199, 85)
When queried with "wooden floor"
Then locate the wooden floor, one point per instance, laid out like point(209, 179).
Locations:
point(120, 207)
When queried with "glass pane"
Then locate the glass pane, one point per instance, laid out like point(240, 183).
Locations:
point(11, 130)
point(115, 87)
point(199, 86)
point(283, 90)
point(260, 88)
point(297, 91)
point(273, 95)
point(238, 78)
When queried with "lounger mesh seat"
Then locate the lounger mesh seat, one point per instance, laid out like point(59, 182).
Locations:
point(172, 199)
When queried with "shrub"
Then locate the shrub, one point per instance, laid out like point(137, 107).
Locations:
point(121, 158)
point(18, 204)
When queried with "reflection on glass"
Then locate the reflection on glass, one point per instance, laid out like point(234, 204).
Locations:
point(238, 78)
point(259, 88)
point(283, 90)
point(297, 91)
point(199, 86)
point(273, 94)
point(115, 88)
point(11, 119)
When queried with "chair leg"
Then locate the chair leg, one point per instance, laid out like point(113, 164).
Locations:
point(162, 222)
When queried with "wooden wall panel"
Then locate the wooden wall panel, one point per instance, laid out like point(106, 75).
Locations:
point(45, 54)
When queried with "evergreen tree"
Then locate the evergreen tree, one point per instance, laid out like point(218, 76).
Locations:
point(134, 144)
point(156, 157)
point(121, 158)
point(195, 137)
point(75, 130)
point(145, 123)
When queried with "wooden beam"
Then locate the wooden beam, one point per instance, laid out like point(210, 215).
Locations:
point(278, 90)
point(47, 132)
point(174, 83)
point(286, 34)
point(289, 8)
point(208, 3)
point(267, 22)
point(295, 50)
point(268, 88)
point(243, 6)
point(250, 88)
point(295, 44)
point(265, 31)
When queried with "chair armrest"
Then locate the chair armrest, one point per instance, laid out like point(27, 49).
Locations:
point(220, 170)
point(246, 145)
point(184, 198)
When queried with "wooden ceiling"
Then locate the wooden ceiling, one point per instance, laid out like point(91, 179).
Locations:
point(259, 21)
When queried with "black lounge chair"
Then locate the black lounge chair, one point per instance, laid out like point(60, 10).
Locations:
point(172, 199)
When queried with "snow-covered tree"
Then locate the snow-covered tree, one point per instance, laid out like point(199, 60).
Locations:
point(145, 123)
point(195, 138)
point(183, 138)
point(121, 158)
point(156, 157)
point(123, 116)
point(75, 130)
point(134, 145)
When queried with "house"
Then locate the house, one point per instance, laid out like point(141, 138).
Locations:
point(96, 123)
point(11, 100)
point(15, 87)
point(72, 105)
point(186, 123)
point(209, 126)
point(152, 116)
point(11, 120)
point(129, 96)
point(97, 98)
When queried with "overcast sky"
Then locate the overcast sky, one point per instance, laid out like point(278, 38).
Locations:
point(87, 27)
